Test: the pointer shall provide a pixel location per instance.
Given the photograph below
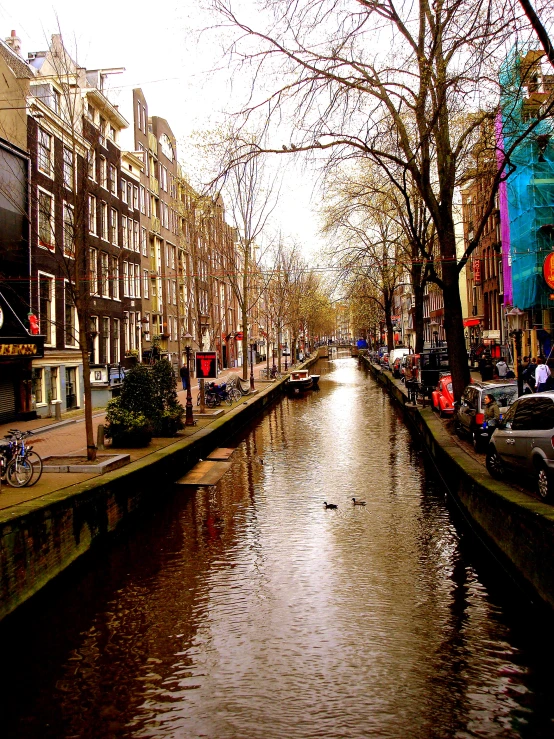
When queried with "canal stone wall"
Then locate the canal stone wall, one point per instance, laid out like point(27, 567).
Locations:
point(520, 526)
point(41, 538)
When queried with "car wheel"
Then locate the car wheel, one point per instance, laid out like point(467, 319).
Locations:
point(544, 483)
point(494, 464)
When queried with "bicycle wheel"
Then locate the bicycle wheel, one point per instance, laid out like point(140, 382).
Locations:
point(210, 400)
point(36, 464)
point(236, 394)
point(229, 399)
point(19, 472)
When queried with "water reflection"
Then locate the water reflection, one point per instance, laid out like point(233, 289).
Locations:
point(248, 610)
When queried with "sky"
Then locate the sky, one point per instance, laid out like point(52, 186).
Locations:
point(181, 70)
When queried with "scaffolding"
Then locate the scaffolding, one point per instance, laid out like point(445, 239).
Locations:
point(530, 188)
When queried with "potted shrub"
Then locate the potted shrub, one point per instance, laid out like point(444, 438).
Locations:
point(168, 418)
point(126, 428)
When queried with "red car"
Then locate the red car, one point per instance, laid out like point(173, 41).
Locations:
point(442, 397)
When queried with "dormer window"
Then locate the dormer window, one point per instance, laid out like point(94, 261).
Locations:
point(48, 94)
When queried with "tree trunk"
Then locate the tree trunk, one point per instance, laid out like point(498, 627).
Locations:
point(418, 318)
point(454, 328)
point(83, 341)
point(387, 303)
point(244, 313)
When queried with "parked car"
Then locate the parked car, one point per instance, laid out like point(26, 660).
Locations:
point(443, 398)
point(470, 412)
point(523, 442)
point(394, 359)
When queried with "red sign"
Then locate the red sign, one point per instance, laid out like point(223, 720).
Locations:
point(548, 270)
point(477, 271)
point(206, 365)
point(239, 336)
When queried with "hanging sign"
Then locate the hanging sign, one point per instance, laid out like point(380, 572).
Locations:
point(206, 365)
point(548, 270)
point(477, 271)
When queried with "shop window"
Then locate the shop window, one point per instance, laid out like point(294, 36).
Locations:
point(38, 385)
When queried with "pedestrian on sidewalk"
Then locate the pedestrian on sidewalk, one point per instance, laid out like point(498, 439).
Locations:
point(184, 373)
point(542, 373)
point(501, 368)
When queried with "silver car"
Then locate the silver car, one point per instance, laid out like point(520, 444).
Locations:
point(524, 442)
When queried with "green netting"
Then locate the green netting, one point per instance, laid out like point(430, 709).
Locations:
point(530, 191)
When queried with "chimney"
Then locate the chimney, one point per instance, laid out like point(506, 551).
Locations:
point(14, 42)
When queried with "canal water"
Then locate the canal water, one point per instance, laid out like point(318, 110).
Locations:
point(249, 611)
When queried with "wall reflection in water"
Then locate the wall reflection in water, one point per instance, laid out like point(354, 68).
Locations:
point(248, 610)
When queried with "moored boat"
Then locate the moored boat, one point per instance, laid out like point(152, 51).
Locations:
point(301, 380)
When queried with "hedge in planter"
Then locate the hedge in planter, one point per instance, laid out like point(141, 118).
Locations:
point(127, 428)
point(168, 418)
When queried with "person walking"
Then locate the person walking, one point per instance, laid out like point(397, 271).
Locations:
point(184, 374)
point(542, 373)
point(529, 372)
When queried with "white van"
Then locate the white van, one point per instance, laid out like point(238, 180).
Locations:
point(397, 353)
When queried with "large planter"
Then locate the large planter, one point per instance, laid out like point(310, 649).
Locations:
point(131, 439)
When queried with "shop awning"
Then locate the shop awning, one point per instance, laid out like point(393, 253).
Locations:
point(472, 321)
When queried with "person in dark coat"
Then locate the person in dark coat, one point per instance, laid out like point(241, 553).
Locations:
point(486, 367)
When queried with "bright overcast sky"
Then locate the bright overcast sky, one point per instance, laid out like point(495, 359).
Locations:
point(173, 65)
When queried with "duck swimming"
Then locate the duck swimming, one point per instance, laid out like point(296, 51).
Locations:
point(358, 502)
point(329, 505)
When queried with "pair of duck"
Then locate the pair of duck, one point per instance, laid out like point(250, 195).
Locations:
point(333, 506)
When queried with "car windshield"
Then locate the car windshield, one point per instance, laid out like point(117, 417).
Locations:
point(504, 395)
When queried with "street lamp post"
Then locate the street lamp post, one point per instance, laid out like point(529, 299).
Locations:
point(515, 318)
point(189, 420)
point(286, 355)
point(253, 342)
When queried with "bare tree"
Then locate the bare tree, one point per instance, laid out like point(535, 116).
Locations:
point(405, 85)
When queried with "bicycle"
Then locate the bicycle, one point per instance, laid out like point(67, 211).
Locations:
point(20, 465)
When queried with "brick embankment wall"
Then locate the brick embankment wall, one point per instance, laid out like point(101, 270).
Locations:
point(520, 526)
point(42, 537)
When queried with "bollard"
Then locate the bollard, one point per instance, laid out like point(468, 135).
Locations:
point(58, 411)
point(100, 437)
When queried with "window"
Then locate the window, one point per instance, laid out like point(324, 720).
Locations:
point(45, 152)
point(135, 197)
point(112, 133)
point(136, 238)
point(125, 279)
point(129, 200)
point(113, 227)
point(54, 384)
point(113, 179)
point(142, 199)
point(102, 131)
point(173, 250)
point(174, 292)
point(94, 339)
point(163, 178)
point(102, 172)
point(137, 280)
point(104, 276)
point(70, 319)
point(145, 278)
point(129, 234)
point(45, 219)
point(91, 165)
point(91, 113)
point(104, 220)
point(534, 414)
point(68, 231)
point(146, 327)
point(92, 214)
point(38, 385)
point(166, 146)
point(93, 271)
point(124, 232)
point(144, 119)
point(68, 168)
point(115, 278)
point(144, 241)
point(124, 190)
point(46, 306)
point(105, 349)
point(116, 340)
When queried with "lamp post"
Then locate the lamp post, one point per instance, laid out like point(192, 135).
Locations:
point(189, 420)
point(274, 367)
point(253, 342)
point(286, 355)
point(515, 319)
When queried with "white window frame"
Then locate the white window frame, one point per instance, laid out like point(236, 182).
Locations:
point(116, 340)
point(68, 208)
point(112, 179)
point(144, 241)
point(92, 215)
point(115, 279)
point(103, 172)
point(52, 245)
point(104, 220)
point(51, 318)
point(49, 158)
point(108, 353)
point(125, 279)
point(67, 344)
point(93, 270)
point(114, 226)
point(104, 274)
point(91, 165)
point(123, 189)
point(68, 169)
